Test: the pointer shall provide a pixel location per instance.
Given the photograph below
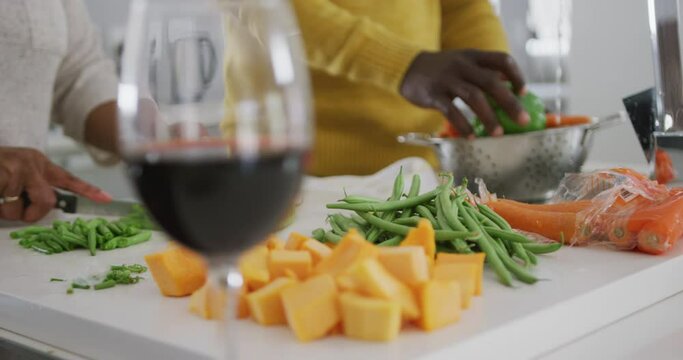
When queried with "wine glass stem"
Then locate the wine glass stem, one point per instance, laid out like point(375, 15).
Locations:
point(227, 280)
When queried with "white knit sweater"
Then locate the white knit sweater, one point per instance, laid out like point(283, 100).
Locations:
point(52, 68)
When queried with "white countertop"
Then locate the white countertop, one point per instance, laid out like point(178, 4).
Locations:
point(584, 290)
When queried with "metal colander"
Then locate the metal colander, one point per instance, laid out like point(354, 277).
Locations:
point(525, 167)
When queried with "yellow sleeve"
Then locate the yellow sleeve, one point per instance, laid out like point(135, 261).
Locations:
point(471, 24)
point(343, 44)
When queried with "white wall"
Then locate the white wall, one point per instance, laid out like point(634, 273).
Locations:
point(610, 58)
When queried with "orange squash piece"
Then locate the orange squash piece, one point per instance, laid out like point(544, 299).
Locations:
point(407, 263)
point(274, 243)
point(423, 235)
point(374, 280)
point(464, 273)
point(177, 271)
point(476, 259)
point(369, 318)
point(242, 311)
point(311, 307)
point(253, 265)
point(295, 241)
point(351, 249)
point(297, 261)
point(265, 305)
point(208, 302)
point(317, 249)
point(346, 283)
point(439, 304)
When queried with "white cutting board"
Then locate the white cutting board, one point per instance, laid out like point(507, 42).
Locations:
point(586, 288)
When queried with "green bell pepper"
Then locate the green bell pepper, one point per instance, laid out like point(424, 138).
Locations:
point(531, 103)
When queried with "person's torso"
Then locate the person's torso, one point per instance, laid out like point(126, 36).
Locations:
point(346, 109)
point(33, 42)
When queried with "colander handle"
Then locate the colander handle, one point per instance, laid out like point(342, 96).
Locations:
point(420, 139)
point(603, 123)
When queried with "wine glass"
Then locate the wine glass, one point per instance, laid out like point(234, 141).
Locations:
point(215, 120)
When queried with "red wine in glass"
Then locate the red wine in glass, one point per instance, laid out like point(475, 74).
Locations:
point(218, 204)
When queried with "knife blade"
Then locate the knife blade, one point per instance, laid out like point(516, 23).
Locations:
point(73, 204)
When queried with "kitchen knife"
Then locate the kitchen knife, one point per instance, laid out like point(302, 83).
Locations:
point(73, 204)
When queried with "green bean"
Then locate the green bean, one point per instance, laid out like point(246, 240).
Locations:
point(31, 230)
point(489, 213)
point(92, 241)
point(532, 257)
point(77, 285)
point(104, 231)
point(431, 208)
point(335, 227)
point(143, 236)
point(354, 199)
point(394, 241)
point(408, 221)
point(62, 243)
point(70, 290)
point(451, 217)
point(483, 220)
point(389, 215)
point(440, 217)
point(414, 191)
point(132, 230)
point(341, 221)
point(441, 235)
point(425, 213)
point(115, 229)
point(507, 235)
point(319, 234)
point(520, 252)
point(332, 237)
point(105, 285)
point(74, 240)
point(538, 249)
point(391, 205)
point(40, 247)
point(53, 245)
point(76, 230)
point(358, 220)
point(519, 272)
point(489, 248)
point(56, 280)
point(111, 244)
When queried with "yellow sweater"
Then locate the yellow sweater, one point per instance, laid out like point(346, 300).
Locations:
point(358, 51)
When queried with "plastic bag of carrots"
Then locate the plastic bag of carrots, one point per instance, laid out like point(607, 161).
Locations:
point(618, 208)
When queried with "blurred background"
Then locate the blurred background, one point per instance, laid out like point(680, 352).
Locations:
point(580, 56)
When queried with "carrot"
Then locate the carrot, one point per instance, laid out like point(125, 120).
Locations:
point(554, 120)
point(664, 229)
point(568, 206)
point(664, 169)
point(618, 234)
point(558, 226)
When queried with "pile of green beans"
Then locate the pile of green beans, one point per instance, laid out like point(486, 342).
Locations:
point(117, 275)
point(460, 226)
point(93, 235)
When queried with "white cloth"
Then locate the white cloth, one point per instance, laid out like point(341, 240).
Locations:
point(52, 68)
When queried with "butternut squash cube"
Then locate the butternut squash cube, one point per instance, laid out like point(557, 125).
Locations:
point(346, 283)
point(407, 263)
point(253, 265)
point(351, 249)
point(242, 311)
point(274, 243)
point(476, 259)
point(439, 303)
point(370, 318)
point(423, 235)
point(265, 304)
point(297, 261)
point(464, 274)
point(177, 271)
point(317, 249)
point(208, 302)
point(374, 280)
point(311, 307)
point(295, 240)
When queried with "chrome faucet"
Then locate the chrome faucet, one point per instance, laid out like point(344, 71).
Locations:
point(664, 19)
